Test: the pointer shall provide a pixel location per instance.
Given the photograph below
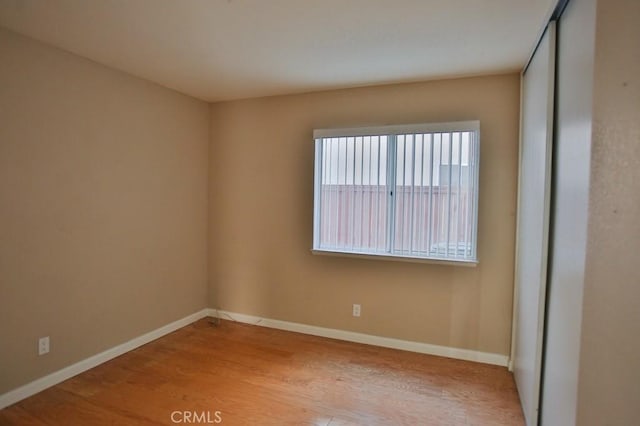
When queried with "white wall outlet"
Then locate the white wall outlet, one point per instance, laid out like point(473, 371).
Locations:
point(43, 345)
point(356, 310)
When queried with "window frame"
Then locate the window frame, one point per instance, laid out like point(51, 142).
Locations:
point(392, 131)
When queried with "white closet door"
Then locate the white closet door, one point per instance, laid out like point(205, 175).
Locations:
point(533, 223)
point(569, 210)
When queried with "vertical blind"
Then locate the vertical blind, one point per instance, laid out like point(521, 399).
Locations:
point(407, 191)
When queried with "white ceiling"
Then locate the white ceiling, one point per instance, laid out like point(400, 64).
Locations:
point(230, 49)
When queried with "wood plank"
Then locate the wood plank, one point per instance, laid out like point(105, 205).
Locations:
point(255, 375)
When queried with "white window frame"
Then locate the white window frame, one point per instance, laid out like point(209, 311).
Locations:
point(392, 131)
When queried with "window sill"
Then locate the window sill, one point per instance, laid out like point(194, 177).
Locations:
point(397, 258)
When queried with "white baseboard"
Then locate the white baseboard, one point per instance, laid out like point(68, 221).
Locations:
point(387, 342)
point(54, 378)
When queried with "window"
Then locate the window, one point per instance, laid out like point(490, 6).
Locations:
point(406, 191)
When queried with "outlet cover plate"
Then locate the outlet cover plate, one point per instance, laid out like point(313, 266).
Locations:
point(43, 345)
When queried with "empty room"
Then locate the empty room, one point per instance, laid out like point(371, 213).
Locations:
point(336, 212)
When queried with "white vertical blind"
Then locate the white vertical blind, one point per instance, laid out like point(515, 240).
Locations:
point(397, 191)
point(353, 193)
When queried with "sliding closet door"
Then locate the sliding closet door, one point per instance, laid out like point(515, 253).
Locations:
point(533, 222)
point(567, 256)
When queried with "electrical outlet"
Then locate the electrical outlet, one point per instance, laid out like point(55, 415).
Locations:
point(43, 345)
point(356, 310)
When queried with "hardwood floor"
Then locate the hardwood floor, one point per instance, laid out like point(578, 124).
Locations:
point(236, 374)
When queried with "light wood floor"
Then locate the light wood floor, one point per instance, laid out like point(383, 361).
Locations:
point(252, 375)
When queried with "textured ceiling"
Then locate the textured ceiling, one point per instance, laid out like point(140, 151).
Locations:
point(230, 49)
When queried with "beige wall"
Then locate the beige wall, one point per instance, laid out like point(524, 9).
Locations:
point(608, 392)
point(103, 201)
point(104, 210)
point(261, 227)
